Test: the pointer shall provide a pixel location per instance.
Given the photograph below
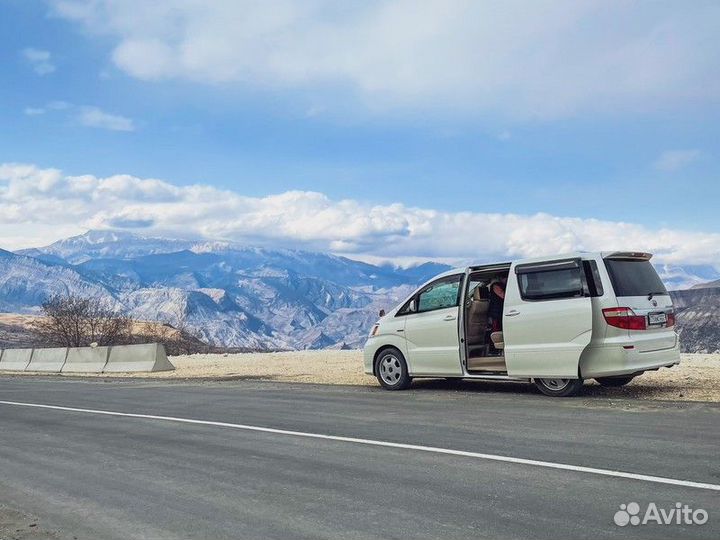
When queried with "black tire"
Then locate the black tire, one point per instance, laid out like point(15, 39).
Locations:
point(555, 387)
point(391, 370)
point(615, 381)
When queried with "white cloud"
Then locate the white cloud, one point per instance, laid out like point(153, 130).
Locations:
point(86, 115)
point(58, 105)
point(518, 58)
point(39, 60)
point(41, 205)
point(673, 160)
point(96, 117)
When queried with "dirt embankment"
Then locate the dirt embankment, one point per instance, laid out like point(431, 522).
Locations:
point(18, 332)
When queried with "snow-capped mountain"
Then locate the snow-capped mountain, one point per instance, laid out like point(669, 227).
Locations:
point(109, 247)
point(683, 277)
point(105, 245)
point(27, 282)
point(228, 294)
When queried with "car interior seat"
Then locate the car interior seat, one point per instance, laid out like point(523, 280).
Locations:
point(478, 315)
point(498, 340)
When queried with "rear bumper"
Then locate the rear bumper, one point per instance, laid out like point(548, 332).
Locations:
point(611, 360)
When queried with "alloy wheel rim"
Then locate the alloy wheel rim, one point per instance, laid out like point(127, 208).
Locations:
point(390, 369)
point(555, 384)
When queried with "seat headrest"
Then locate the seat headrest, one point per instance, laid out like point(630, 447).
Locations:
point(480, 293)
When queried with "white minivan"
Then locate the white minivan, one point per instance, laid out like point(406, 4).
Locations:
point(605, 316)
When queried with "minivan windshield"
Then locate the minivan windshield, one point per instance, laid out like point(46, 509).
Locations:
point(634, 278)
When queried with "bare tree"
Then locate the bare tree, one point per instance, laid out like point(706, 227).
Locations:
point(176, 340)
point(75, 321)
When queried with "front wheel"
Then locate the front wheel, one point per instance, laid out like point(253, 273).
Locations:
point(391, 370)
point(559, 387)
point(614, 381)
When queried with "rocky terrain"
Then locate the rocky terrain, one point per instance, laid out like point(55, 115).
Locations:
point(698, 317)
point(227, 295)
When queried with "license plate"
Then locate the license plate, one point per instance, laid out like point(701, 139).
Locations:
point(657, 318)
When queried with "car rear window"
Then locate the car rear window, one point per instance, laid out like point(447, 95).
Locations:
point(634, 278)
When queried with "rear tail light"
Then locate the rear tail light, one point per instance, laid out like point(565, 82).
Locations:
point(623, 317)
point(670, 320)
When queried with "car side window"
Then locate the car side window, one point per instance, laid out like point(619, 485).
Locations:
point(440, 294)
point(592, 278)
point(551, 282)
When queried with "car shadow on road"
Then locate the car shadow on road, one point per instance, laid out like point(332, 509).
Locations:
point(467, 385)
point(591, 390)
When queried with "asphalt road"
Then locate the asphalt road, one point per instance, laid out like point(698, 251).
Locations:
point(93, 476)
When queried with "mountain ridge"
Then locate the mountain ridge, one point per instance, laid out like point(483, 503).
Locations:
point(234, 295)
point(228, 294)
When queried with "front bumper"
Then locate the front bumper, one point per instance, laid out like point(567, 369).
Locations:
point(371, 348)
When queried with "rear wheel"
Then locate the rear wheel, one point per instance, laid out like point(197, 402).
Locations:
point(615, 381)
point(391, 370)
point(559, 387)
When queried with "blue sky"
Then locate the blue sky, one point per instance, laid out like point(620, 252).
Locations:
point(603, 111)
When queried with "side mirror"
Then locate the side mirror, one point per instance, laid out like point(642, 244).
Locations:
point(382, 313)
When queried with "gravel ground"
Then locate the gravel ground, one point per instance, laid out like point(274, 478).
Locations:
point(697, 378)
point(323, 367)
point(15, 525)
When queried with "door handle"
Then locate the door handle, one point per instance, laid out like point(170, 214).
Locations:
point(449, 318)
point(512, 313)
point(400, 330)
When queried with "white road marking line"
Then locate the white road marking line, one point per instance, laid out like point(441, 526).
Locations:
point(387, 444)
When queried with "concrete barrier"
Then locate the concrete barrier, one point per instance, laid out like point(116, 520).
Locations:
point(86, 360)
point(133, 358)
point(50, 360)
point(15, 359)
